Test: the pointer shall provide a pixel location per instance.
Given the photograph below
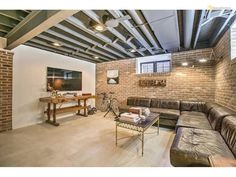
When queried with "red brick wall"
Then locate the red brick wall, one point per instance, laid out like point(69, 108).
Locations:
point(5, 90)
point(225, 93)
point(183, 83)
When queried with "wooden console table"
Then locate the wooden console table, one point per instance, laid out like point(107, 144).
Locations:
point(59, 100)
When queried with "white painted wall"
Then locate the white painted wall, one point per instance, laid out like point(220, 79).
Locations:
point(29, 81)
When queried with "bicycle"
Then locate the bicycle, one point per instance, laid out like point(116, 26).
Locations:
point(109, 103)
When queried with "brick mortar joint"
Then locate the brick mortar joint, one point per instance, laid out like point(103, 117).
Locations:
point(7, 51)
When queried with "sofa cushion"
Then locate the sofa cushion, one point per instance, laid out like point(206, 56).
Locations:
point(193, 121)
point(228, 132)
point(217, 114)
point(168, 123)
point(166, 113)
point(192, 147)
point(194, 113)
point(209, 106)
point(124, 108)
point(139, 101)
point(165, 103)
point(192, 106)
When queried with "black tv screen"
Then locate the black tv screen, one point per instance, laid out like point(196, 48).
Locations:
point(63, 80)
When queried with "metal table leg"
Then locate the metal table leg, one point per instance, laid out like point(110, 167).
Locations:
point(142, 141)
point(116, 134)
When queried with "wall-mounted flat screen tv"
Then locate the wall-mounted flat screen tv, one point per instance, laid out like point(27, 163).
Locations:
point(63, 80)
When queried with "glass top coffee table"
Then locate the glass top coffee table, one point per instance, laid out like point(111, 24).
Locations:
point(140, 126)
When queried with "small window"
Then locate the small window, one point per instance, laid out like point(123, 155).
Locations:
point(233, 41)
point(155, 67)
point(163, 66)
point(147, 67)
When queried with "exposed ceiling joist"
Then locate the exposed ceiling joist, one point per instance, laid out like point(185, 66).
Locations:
point(132, 30)
point(70, 46)
point(36, 23)
point(7, 21)
point(144, 29)
point(95, 17)
point(68, 30)
point(69, 52)
point(202, 13)
point(77, 43)
point(14, 14)
point(188, 23)
point(79, 24)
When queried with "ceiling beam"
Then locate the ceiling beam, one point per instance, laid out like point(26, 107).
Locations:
point(35, 23)
point(8, 21)
point(76, 42)
point(220, 31)
point(79, 24)
point(51, 39)
point(135, 16)
point(202, 13)
point(14, 14)
point(64, 28)
point(72, 53)
point(131, 29)
point(188, 23)
point(39, 46)
point(96, 18)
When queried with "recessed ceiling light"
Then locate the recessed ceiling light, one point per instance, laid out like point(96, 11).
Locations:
point(99, 27)
point(132, 50)
point(56, 44)
point(96, 57)
point(184, 64)
point(202, 60)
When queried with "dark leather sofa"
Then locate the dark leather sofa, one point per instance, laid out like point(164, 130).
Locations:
point(202, 129)
point(169, 109)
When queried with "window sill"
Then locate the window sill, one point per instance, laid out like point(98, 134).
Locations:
point(153, 74)
point(233, 61)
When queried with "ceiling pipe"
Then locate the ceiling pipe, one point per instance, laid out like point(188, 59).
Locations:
point(199, 28)
point(188, 21)
point(144, 29)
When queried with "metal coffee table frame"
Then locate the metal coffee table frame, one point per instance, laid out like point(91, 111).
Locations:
point(138, 127)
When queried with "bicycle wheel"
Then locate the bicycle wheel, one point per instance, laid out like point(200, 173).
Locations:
point(115, 106)
point(103, 106)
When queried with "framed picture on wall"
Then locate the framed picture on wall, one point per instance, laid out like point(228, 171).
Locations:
point(112, 77)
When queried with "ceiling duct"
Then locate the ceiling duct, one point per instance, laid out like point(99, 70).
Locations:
point(188, 21)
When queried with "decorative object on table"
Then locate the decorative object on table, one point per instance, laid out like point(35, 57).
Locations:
point(143, 112)
point(152, 82)
point(112, 77)
point(70, 94)
point(130, 117)
point(86, 94)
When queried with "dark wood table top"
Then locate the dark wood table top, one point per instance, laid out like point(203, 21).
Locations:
point(62, 99)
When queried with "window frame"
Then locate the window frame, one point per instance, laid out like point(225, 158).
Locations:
point(155, 66)
point(233, 59)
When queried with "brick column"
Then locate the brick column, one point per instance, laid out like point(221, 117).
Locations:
point(6, 64)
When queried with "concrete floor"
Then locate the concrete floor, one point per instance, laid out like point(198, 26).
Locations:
point(83, 141)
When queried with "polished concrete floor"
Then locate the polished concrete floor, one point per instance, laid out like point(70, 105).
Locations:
point(83, 142)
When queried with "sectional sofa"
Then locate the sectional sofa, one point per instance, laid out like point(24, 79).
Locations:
point(202, 129)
